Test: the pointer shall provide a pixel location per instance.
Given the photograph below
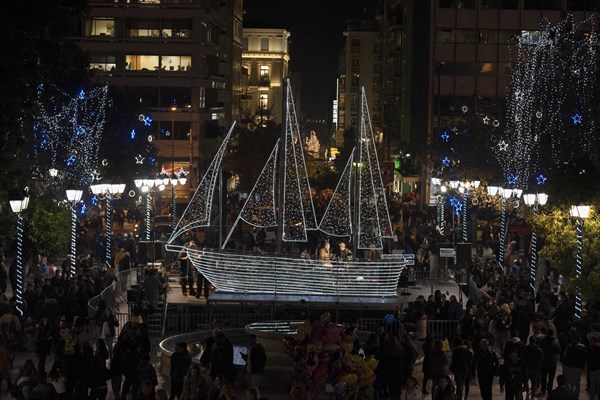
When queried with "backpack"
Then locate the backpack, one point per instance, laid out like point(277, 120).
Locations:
point(70, 344)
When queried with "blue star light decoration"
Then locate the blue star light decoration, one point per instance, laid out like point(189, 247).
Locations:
point(71, 160)
point(80, 130)
point(512, 179)
point(445, 137)
point(94, 200)
point(81, 95)
point(458, 208)
point(541, 179)
point(151, 160)
point(577, 119)
point(446, 161)
point(454, 201)
point(83, 208)
point(147, 120)
point(132, 134)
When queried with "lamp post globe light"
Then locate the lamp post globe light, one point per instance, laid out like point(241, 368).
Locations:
point(18, 206)
point(73, 197)
point(580, 213)
point(108, 191)
point(534, 200)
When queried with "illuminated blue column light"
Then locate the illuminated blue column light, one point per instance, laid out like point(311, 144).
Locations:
point(464, 216)
point(580, 213)
point(108, 230)
point(109, 191)
point(18, 206)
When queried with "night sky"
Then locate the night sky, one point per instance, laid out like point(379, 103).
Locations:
point(316, 28)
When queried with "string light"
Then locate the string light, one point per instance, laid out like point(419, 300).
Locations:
point(578, 266)
point(336, 219)
point(553, 80)
point(19, 292)
point(373, 217)
point(298, 209)
point(68, 129)
point(254, 273)
point(198, 211)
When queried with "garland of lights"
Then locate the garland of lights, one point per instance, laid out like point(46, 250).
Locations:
point(549, 99)
point(255, 273)
point(70, 131)
point(579, 267)
point(502, 233)
point(298, 208)
point(259, 208)
point(464, 216)
point(174, 204)
point(373, 215)
point(336, 219)
point(198, 211)
point(148, 200)
point(73, 241)
point(108, 230)
point(19, 290)
point(533, 256)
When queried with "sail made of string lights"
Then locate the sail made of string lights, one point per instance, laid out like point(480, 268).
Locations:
point(373, 215)
point(336, 220)
point(198, 211)
point(298, 209)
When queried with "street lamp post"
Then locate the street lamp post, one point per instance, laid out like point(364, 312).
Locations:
point(534, 200)
point(73, 197)
point(454, 183)
point(18, 206)
point(580, 213)
point(173, 179)
point(108, 191)
point(148, 186)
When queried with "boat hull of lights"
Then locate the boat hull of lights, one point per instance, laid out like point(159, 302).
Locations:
point(240, 273)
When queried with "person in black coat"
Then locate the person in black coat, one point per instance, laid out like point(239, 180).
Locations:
point(486, 363)
point(180, 364)
point(462, 358)
point(534, 359)
point(513, 376)
point(561, 392)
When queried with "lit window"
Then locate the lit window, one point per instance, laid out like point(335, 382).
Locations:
point(100, 27)
point(103, 62)
point(531, 37)
point(176, 63)
point(264, 44)
point(143, 28)
point(142, 63)
point(264, 101)
point(264, 72)
point(202, 102)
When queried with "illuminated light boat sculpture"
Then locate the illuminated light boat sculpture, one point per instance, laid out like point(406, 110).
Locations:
point(365, 220)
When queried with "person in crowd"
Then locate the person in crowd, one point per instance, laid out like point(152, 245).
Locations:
point(186, 270)
point(214, 391)
point(256, 359)
point(593, 365)
point(98, 374)
point(195, 384)
point(562, 392)
point(153, 287)
point(412, 390)
point(462, 358)
point(43, 343)
point(252, 393)
point(486, 363)
point(574, 360)
point(147, 391)
point(513, 376)
point(551, 348)
point(444, 390)
point(221, 358)
point(227, 392)
point(439, 363)
point(180, 365)
point(107, 323)
point(533, 356)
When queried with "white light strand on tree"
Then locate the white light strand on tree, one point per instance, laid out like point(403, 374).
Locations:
point(373, 218)
point(336, 220)
point(199, 210)
point(69, 130)
point(548, 108)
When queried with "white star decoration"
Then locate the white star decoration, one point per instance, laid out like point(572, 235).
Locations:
point(486, 120)
point(502, 146)
point(139, 159)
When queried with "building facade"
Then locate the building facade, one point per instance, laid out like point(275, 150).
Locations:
point(265, 66)
point(180, 59)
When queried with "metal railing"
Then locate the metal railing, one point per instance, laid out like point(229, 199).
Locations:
point(441, 329)
point(116, 289)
